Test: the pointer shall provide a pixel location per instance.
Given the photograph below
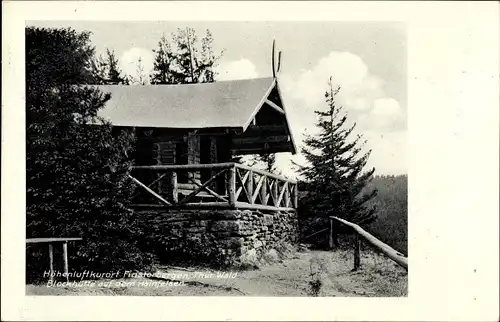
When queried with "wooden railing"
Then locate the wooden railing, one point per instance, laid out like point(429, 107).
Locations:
point(387, 250)
point(230, 185)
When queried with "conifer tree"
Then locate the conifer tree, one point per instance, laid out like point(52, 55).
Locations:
point(115, 76)
point(140, 78)
point(185, 60)
point(164, 59)
point(334, 173)
point(105, 71)
point(77, 180)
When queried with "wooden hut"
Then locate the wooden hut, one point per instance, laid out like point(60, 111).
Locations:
point(188, 135)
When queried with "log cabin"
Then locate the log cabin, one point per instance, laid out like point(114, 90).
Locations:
point(189, 135)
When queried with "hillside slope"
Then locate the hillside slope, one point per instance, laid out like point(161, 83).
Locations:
point(391, 201)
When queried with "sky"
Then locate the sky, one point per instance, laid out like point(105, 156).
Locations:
point(367, 59)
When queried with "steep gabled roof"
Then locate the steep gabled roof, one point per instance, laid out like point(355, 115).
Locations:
point(229, 104)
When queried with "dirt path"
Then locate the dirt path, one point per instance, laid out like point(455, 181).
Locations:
point(292, 277)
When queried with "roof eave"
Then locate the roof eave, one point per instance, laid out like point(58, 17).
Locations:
point(259, 106)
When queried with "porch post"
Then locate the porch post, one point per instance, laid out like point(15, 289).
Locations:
point(231, 185)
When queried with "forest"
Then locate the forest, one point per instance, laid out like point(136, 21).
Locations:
point(391, 201)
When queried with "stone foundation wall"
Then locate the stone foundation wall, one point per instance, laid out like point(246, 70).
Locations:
point(229, 237)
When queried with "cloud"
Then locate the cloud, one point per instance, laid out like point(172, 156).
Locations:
point(389, 151)
point(129, 61)
point(238, 69)
point(379, 118)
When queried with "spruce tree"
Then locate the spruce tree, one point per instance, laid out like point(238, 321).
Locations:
point(164, 59)
point(114, 73)
point(140, 78)
point(334, 173)
point(105, 71)
point(77, 182)
point(185, 60)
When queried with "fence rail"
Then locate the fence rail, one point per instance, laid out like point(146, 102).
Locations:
point(387, 250)
point(229, 185)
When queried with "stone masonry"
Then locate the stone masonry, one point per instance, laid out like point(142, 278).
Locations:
point(231, 237)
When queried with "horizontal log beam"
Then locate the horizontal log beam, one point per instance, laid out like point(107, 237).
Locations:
point(238, 205)
point(244, 205)
point(261, 149)
point(261, 140)
point(275, 129)
point(384, 248)
point(226, 165)
point(51, 240)
point(275, 107)
point(265, 173)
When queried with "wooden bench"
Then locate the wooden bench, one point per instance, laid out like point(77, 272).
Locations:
point(51, 241)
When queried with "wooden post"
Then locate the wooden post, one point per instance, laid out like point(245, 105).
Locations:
point(295, 196)
point(249, 184)
point(330, 239)
point(335, 238)
point(357, 257)
point(231, 186)
point(287, 195)
point(65, 260)
point(263, 191)
point(275, 193)
point(382, 247)
point(173, 185)
point(51, 262)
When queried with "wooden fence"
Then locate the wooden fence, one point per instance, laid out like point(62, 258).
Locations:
point(361, 234)
point(230, 185)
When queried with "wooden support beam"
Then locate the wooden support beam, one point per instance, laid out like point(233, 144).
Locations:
point(261, 139)
point(203, 187)
point(249, 185)
point(295, 202)
point(238, 205)
point(151, 191)
point(243, 184)
point(382, 247)
point(282, 193)
point(275, 107)
point(174, 187)
point(50, 240)
point(257, 189)
point(274, 191)
point(65, 260)
point(263, 192)
point(256, 130)
point(163, 168)
point(244, 205)
point(256, 148)
point(287, 195)
point(262, 172)
point(51, 262)
point(330, 237)
point(231, 186)
point(357, 256)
